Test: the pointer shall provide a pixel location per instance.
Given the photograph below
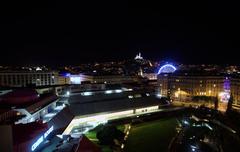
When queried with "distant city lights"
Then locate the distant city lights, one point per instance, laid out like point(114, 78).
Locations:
point(87, 93)
point(67, 74)
point(138, 56)
point(38, 69)
point(75, 79)
point(108, 91)
point(118, 91)
point(224, 96)
point(130, 97)
point(159, 95)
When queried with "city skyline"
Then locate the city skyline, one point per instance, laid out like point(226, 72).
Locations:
point(100, 76)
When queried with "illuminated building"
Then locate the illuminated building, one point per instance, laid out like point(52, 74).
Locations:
point(63, 80)
point(22, 137)
point(235, 91)
point(28, 119)
point(100, 106)
point(51, 118)
point(25, 78)
point(183, 86)
point(150, 76)
point(110, 79)
point(31, 106)
point(138, 56)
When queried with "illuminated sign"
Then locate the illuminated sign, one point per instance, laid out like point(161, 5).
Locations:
point(48, 132)
point(75, 79)
point(37, 143)
point(41, 139)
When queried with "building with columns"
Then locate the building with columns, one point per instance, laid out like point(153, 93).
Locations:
point(25, 78)
point(183, 86)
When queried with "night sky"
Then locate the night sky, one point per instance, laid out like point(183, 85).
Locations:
point(63, 32)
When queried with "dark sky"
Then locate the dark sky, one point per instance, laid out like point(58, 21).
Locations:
point(64, 32)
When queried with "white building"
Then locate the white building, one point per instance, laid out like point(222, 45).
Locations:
point(24, 78)
point(109, 79)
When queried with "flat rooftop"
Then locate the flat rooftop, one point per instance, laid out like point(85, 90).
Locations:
point(78, 107)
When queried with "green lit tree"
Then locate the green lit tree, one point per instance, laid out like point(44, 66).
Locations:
point(108, 133)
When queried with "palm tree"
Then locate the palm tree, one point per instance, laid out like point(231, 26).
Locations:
point(216, 103)
point(230, 102)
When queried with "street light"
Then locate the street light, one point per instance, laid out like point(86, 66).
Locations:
point(68, 93)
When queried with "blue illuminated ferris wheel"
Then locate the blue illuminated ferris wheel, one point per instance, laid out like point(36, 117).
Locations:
point(167, 68)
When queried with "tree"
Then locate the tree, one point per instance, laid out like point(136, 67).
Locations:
point(108, 133)
point(230, 102)
point(216, 103)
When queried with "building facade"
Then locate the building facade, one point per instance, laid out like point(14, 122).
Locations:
point(235, 91)
point(184, 86)
point(110, 79)
point(150, 76)
point(23, 79)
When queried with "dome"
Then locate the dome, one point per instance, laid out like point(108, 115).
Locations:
point(19, 97)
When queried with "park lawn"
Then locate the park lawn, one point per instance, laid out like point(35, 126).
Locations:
point(91, 135)
point(151, 136)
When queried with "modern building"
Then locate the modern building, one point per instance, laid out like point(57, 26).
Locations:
point(94, 107)
point(110, 79)
point(26, 78)
point(29, 119)
point(30, 106)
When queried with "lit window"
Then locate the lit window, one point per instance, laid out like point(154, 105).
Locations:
point(137, 95)
point(130, 97)
point(108, 91)
point(87, 93)
point(118, 91)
